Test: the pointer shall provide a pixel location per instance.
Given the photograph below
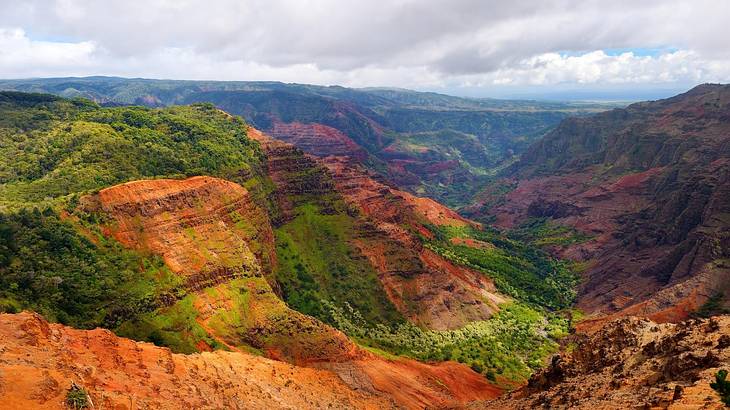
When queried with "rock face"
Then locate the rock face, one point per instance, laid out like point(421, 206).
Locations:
point(208, 230)
point(632, 363)
point(38, 362)
point(650, 186)
point(318, 139)
point(298, 177)
point(423, 286)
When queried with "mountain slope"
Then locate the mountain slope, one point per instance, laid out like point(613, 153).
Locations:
point(422, 286)
point(645, 192)
point(39, 361)
point(210, 233)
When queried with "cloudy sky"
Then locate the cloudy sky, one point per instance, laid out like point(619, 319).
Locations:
point(468, 47)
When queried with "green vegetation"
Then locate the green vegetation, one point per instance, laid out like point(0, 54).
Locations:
point(321, 275)
point(53, 149)
point(174, 326)
point(88, 280)
point(511, 344)
point(521, 271)
point(492, 194)
point(318, 262)
point(46, 265)
point(53, 152)
point(722, 386)
point(543, 232)
point(77, 397)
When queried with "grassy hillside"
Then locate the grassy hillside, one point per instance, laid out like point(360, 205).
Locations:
point(317, 262)
point(53, 257)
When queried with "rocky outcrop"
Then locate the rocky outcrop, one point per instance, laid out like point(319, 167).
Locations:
point(632, 363)
point(208, 230)
point(650, 186)
point(318, 139)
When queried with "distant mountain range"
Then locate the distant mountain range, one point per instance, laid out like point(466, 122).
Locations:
point(431, 144)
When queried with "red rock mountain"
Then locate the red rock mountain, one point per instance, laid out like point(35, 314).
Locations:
point(209, 232)
point(650, 186)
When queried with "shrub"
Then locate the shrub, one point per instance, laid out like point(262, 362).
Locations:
point(722, 386)
point(713, 306)
point(77, 397)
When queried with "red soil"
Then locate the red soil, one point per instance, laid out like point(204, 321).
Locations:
point(38, 362)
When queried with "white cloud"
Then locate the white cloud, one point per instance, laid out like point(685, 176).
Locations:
point(597, 67)
point(408, 43)
point(22, 57)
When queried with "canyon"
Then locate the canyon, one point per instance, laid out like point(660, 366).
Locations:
point(430, 144)
point(423, 286)
point(218, 265)
point(647, 189)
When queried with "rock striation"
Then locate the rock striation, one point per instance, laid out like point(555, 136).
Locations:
point(318, 139)
point(650, 186)
point(211, 234)
point(426, 288)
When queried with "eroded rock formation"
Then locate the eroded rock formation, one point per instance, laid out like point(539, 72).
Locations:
point(39, 361)
point(632, 363)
